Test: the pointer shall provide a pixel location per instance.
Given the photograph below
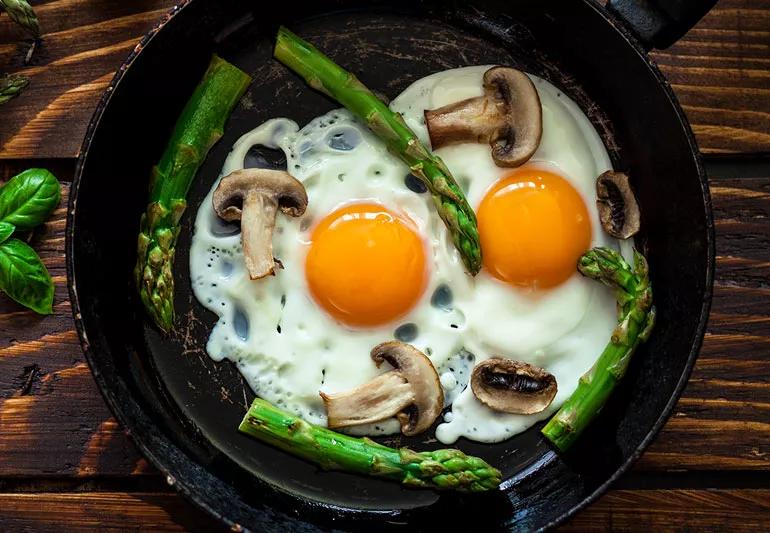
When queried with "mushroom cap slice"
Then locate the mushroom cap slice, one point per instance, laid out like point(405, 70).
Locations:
point(289, 193)
point(512, 386)
point(618, 209)
point(515, 94)
point(424, 380)
point(253, 196)
point(508, 116)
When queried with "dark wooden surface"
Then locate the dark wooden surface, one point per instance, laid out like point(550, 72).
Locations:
point(66, 464)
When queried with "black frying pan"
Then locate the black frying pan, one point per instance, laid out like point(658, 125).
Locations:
point(182, 408)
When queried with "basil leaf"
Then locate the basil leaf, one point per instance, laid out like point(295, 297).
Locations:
point(6, 230)
point(24, 278)
point(29, 198)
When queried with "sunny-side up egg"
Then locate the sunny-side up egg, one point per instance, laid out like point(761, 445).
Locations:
point(371, 261)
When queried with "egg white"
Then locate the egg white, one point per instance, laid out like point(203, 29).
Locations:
point(289, 349)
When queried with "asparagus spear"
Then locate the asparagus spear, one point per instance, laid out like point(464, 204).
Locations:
point(22, 14)
point(323, 74)
point(636, 320)
point(198, 128)
point(11, 86)
point(439, 469)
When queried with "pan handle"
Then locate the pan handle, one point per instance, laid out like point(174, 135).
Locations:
point(660, 23)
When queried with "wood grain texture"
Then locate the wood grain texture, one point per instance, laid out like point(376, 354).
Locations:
point(105, 511)
point(618, 510)
point(85, 41)
point(676, 510)
point(719, 71)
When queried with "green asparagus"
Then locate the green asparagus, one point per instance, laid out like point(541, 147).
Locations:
point(636, 320)
point(440, 469)
point(22, 14)
point(198, 128)
point(322, 74)
point(11, 86)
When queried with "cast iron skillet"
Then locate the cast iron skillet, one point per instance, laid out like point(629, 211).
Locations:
point(182, 409)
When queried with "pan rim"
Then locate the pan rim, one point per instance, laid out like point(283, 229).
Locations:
point(106, 389)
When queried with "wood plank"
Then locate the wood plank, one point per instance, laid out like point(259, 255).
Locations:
point(62, 428)
point(105, 511)
point(619, 510)
point(719, 72)
point(85, 42)
point(676, 510)
point(53, 420)
point(721, 421)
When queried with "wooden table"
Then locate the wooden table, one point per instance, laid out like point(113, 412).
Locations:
point(66, 464)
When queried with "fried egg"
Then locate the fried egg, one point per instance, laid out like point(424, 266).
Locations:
point(371, 261)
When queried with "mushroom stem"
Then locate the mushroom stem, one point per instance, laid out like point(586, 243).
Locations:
point(380, 398)
point(260, 192)
point(472, 120)
point(257, 224)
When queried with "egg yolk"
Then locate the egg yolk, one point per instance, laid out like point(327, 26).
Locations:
point(534, 226)
point(365, 265)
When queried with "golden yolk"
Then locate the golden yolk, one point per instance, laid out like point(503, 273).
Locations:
point(365, 266)
point(534, 227)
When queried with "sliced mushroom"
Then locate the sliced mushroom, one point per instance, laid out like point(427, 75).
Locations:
point(380, 398)
point(411, 392)
point(618, 210)
point(421, 374)
point(508, 116)
point(253, 196)
point(512, 386)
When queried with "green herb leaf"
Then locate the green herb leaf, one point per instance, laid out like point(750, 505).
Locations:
point(6, 230)
point(29, 198)
point(24, 278)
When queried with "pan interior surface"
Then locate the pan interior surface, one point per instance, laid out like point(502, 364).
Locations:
point(183, 408)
